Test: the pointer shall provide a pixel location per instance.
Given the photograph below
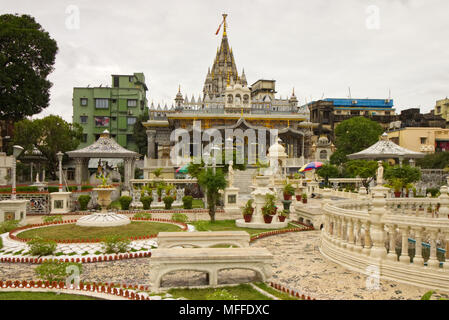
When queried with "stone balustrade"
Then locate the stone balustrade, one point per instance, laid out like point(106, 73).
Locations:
point(373, 234)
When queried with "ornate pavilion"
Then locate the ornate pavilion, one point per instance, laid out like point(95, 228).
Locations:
point(228, 103)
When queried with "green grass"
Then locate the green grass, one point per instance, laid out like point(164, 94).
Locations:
point(242, 292)
point(72, 231)
point(197, 203)
point(229, 225)
point(274, 292)
point(41, 296)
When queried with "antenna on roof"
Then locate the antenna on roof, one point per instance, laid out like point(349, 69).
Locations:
point(322, 96)
point(350, 96)
point(100, 85)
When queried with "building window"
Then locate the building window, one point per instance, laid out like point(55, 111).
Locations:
point(438, 109)
point(323, 155)
point(101, 121)
point(132, 103)
point(116, 81)
point(101, 103)
point(84, 137)
point(130, 138)
point(423, 140)
point(83, 119)
point(131, 120)
point(83, 102)
point(131, 79)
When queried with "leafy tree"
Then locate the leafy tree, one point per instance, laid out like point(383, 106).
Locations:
point(327, 171)
point(27, 56)
point(50, 135)
point(366, 170)
point(406, 174)
point(213, 183)
point(140, 133)
point(354, 135)
point(439, 160)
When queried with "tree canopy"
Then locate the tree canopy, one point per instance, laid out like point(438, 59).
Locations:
point(140, 133)
point(354, 135)
point(27, 56)
point(49, 135)
point(213, 183)
point(438, 160)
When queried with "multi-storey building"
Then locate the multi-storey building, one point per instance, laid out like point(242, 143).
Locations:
point(442, 108)
point(330, 112)
point(115, 108)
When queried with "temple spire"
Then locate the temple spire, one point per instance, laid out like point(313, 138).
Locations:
point(224, 24)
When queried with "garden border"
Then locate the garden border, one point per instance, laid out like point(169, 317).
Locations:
point(289, 291)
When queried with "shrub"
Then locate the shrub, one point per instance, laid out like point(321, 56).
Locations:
point(56, 270)
point(179, 217)
point(9, 225)
point(84, 201)
point(146, 201)
point(48, 219)
point(221, 294)
point(115, 244)
point(168, 200)
point(144, 215)
point(125, 201)
point(41, 247)
point(433, 191)
point(187, 202)
point(1, 242)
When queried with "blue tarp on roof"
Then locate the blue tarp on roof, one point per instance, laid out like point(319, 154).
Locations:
point(371, 103)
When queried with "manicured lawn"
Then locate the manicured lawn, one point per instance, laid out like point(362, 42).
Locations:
point(227, 225)
point(197, 203)
point(242, 292)
point(274, 292)
point(41, 296)
point(72, 231)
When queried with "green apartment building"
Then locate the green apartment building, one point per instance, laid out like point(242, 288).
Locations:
point(114, 108)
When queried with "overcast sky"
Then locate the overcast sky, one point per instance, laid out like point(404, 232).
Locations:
point(320, 47)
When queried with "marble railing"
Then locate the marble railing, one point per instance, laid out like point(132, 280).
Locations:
point(373, 234)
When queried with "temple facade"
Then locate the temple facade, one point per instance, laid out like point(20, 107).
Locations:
point(228, 102)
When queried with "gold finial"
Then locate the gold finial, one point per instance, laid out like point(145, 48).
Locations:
point(224, 24)
point(179, 89)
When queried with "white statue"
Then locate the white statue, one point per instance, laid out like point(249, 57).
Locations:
point(231, 174)
point(380, 173)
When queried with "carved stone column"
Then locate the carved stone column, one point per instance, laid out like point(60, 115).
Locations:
point(78, 172)
point(433, 261)
point(376, 230)
point(350, 244)
point(392, 237)
point(418, 259)
point(358, 243)
point(151, 136)
point(405, 258)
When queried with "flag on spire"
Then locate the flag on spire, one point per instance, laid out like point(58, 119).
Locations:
point(219, 27)
point(223, 22)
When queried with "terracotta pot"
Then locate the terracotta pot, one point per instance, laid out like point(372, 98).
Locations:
point(282, 218)
point(287, 196)
point(304, 200)
point(267, 218)
point(298, 197)
point(397, 194)
point(247, 217)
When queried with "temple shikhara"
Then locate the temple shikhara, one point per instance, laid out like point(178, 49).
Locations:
point(229, 103)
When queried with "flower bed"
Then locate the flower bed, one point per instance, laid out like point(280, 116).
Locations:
point(96, 240)
point(125, 291)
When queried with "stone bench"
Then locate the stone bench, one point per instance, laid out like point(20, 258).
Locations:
point(210, 261)
point(203, 239)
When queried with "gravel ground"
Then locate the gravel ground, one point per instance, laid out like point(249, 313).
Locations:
point(298, 264)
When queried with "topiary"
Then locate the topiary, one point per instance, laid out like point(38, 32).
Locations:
point(125, 201)
point(168, 200)
point(83, 200)
point(187, 202)
point(146, 201)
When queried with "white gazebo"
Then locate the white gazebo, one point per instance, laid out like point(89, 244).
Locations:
point(386, 149)
point(104, 147)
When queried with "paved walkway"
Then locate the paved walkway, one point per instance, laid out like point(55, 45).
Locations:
point(298, 264)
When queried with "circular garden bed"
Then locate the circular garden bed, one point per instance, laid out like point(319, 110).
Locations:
point(138, 229)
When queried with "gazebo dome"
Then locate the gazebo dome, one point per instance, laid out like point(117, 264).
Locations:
point(386, 149)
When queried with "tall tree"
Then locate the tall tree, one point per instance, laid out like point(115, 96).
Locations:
point(49, 135)
point(327, 171)
point(140, 133)
point(354, 135)
point(27, 56)
point(366, 170)
point(213, 183)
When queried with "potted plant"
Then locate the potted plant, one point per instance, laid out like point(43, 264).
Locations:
point(269, 209)
point(408, 186)
point(289, 191)
point(304, 198)
point(283, 214)
point(298, 197)
point(248, 210)
point(397, 187)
